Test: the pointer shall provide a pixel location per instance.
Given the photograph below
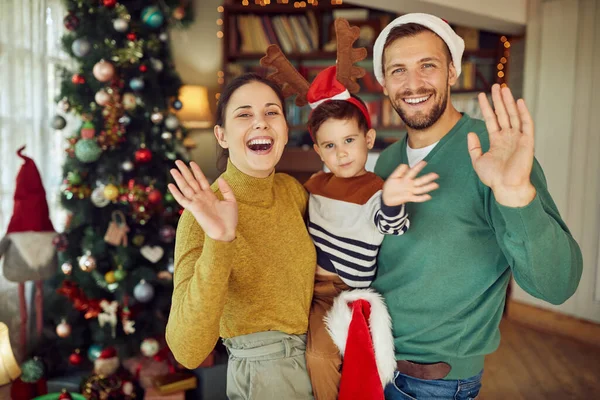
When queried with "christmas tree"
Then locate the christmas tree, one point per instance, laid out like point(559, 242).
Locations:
point(116, 253)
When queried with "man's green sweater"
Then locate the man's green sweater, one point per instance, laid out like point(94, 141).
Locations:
point(445, 279)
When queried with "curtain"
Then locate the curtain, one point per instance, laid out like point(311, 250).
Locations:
point(30, 32)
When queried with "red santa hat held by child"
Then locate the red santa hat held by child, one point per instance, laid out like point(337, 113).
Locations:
point(361, 328)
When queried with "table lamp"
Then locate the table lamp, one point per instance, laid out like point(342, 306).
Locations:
point(195, 112)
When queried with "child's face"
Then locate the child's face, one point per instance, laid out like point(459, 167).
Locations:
point(343, 147)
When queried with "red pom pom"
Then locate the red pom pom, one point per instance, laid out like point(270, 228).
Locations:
point(155, 196)
point(143, 68)
point(131, 36)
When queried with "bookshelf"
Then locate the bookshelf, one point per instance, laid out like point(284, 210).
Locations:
point(306, 37)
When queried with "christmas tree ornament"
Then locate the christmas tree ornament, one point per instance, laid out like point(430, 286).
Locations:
point(156, 117)
point(157, 64)
point(30, 384)
point(169, 197)
point(58, 122)
point(116, 234)
point(81, 47)
point(149, 347)
point(94, 352)
point(165, 276)
point(125, 120)
point(88, 131)
point(98, 199)
point(163, 36)
point(66, 268)
point(129, 101)
point(155, 196)
point(102, 98)
point(127, 388)
point(63, 329)
point(103, 71)
point(120, 274)
point(109, 315)
point(64, 105)
point(179, 13)
point(64, 395)
point(75, 358)
point(138, 240)
point(109, 3)
point(87, 151)
point(128, 324)
point(111, 192)
point(172, 122)
point(152, 253)
point(87, 262)
point(131, 36)
point(109, 277)
point(136, 84)
point(60, 242)
point(143, 68)
point(143, 156)
point(152, 17)
point(127, 166)
point(143, 291)
point(167, 233)
point(71, 22)
point(171, 266)
point(78, 79)
point(166, 135)
point(177, 104)
point(121, 25)
point(74, 178)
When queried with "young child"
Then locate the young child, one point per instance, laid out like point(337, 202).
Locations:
point(350, 210)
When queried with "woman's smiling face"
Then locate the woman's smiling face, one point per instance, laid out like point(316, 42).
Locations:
point(255, 130)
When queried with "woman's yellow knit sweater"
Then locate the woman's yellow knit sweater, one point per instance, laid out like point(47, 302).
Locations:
point(261, 281)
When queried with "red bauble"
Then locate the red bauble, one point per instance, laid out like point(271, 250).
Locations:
point(155, 196)
point(65, 396)
point(78, 79)
point(75, 358)
point(109, 3)
point(143, 155)
point(131, 36)
point(71, 22)
point(143, 68)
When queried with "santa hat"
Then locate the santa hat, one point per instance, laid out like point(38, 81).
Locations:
point(360, 326)
point(107, 362)
point(440, 27)
point(326, 87)
point(30, 212)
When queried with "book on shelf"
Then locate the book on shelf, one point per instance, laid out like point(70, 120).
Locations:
point(293, 33)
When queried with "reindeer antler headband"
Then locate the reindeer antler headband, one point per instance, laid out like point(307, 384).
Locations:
point(333, 83)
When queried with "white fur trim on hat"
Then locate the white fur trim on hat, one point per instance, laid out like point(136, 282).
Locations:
point(345, 95)
point(455, 43)
point(338, 320)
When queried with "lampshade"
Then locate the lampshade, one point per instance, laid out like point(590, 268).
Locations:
point(195, 112)
point(9, 369)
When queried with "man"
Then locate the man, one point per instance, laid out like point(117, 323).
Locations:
point(445, 280)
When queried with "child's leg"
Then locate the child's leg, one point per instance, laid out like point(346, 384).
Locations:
point(323, 358)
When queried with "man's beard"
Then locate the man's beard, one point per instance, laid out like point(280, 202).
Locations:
point(421, 121)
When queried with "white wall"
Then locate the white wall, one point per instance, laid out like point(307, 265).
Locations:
point(562, 86)
point(197, 57)
point(506, 16)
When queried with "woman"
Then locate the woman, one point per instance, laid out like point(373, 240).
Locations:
point(244, 263)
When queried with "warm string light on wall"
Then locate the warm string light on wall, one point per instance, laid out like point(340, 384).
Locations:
point(220, 74)
point(502, 64)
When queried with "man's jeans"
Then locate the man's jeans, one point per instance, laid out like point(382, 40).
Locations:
point(406, 388)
